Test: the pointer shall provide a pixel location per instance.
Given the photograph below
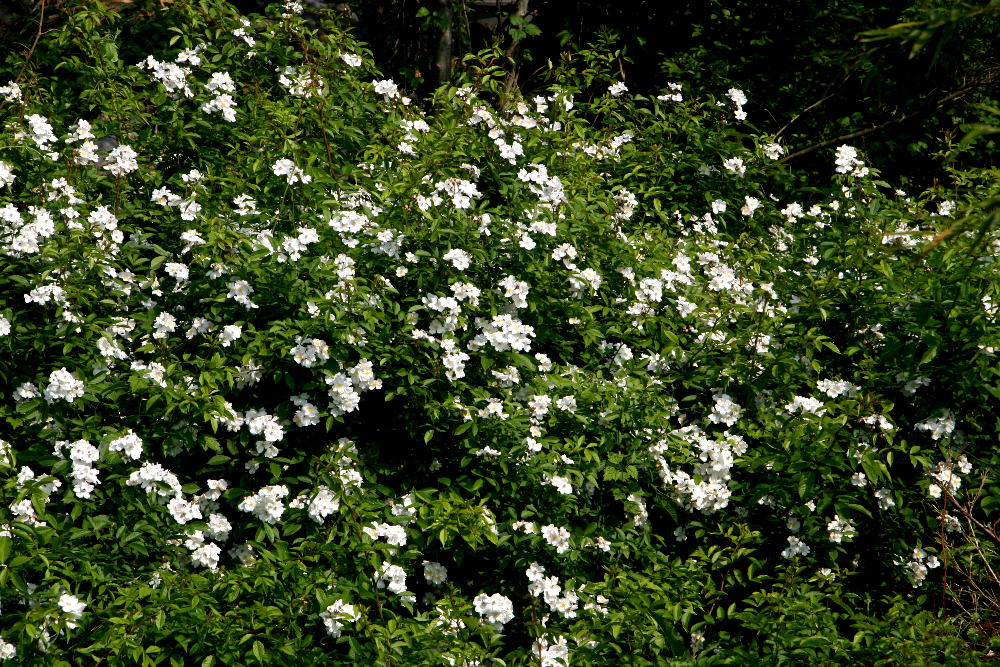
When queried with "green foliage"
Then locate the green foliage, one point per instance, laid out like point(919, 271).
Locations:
point(262, 384)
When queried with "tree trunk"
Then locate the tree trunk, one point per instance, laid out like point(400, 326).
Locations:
point(443, 62)
point(514, 54)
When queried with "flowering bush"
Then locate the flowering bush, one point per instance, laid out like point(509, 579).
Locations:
point(295, 372)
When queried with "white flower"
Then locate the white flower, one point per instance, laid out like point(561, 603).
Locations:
point(72, 608)
point(63, 385)
point(617, 89)
point(840, 528)
point(292, 173)
point(495, 609)
point(752, 204)
point(336, 615)
point(435, 573)
point(176, 270)
point(6, 174)
point(796, 547)
point(735, 165)
point(458, 258)
point(387, 89)
point(392, 577)
point(556, 536)
point(230, 333)
point(122, 161)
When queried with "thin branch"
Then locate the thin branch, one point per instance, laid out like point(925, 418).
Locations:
point(798, 115)
point(968, 515)
point(41, 20)
point(861, 133)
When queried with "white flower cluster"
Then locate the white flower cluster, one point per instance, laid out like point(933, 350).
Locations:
point(548, 188)
point(735, 165)
point(554, 654)
point(63, 385)
point(30, 236)
point(458, 258)
point(435, 573)
point(320, 506)
point(24, 510)
point(515, 290)
point(40, 133)
point(147, 476)
point(840, 528)
point(739, 99)
point(267, 504)
point(460, 191)
point(387, 89)
point(302, 84)
point(556, 536)
point(617, 89)
point(549, 589)
point(240, 291)
point(293, 174)
point(495, 609)
point(946, 478)
point(847, 162)
point(172, 75)
point(122, 161)
point(796, 547)
point(394, 535)
point(911, 386)
point(726, 411)
point(11, 92)
point(309, 351)
point(712, 492)
point(392, 577)
point(336, 615)
point(836, 388)
point(675, 96)
point(84, 475)
point(345, 389)
point(751, 204)
point(884, 498)
point(6, 175)
point(579, 282)
point(221, 84)
point(259, 422)
point(503, 332)
point(919, 565)
point(204, 553)
point(806, 405)
point(938, 427)
point(882, 422)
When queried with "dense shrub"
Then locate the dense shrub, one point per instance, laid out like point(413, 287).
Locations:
point(296, 372)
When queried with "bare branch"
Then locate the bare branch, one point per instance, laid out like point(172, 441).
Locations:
point(860, 133)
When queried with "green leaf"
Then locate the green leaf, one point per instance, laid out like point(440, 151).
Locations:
point(806, 483)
